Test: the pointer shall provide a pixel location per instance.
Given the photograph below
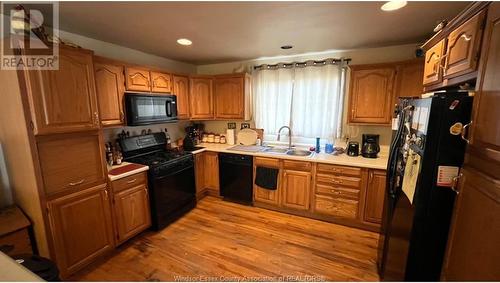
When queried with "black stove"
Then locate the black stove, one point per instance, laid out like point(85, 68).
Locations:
point(171, 183)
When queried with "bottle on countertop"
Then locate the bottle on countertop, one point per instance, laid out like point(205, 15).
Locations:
point(169, 140)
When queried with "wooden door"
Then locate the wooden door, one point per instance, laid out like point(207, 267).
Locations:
point(110, 87)
point(433, 65)
point(409, 79)
point(201, 98)
point(81, 228)
point(375, 196)
point(199, 168)
point(161, 82)
point(230, 98)
point(473, 244)
point(371, 94)
point(137, 79)
point(211, 168)
point(264, 195)
point(296, 189)
point(71, 162)
point(131, 210)
point(462, 53)
point(181, 90)
point(64, 100)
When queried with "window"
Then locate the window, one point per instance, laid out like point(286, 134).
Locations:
point(307, 99)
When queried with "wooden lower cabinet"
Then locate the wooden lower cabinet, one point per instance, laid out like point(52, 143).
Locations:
point(296, 189)
point(131, 211)
point(374, 198)
point(338, 207)
point(211, 168)
point(81, 228)
point(199, 168)
point(263, 195)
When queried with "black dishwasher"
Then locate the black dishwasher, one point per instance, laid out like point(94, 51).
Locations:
point(235, 173)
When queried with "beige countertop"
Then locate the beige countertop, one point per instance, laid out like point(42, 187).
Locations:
point(10, 270)
point(343, 159)
point(128, 172)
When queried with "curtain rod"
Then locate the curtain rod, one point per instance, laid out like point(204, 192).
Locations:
point(307, 63)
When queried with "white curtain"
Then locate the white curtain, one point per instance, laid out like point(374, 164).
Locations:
point(308, 99)
point(272, 99)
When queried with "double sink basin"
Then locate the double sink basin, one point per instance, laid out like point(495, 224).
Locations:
point(287, 151)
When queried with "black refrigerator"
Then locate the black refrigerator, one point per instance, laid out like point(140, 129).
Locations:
point(426, 154)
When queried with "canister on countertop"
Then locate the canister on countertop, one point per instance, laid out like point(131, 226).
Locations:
point(230, 136)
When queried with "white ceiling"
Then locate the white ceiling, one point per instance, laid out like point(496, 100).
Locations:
point(232, 31)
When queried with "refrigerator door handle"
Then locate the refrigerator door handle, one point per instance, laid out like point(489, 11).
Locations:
point(455, 182)
point(465, 132)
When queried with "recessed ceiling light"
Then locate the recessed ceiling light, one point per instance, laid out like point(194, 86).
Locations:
point(184, 41)
point(393, 5)
point(286, 47)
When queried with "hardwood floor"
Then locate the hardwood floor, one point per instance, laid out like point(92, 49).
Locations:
point(222, 241)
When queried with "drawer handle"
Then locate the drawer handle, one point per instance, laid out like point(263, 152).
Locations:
point(77, 183)
point(131, 181)
point(337, 181)
point(336, 192)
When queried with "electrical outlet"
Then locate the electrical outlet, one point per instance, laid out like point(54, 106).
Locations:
point(231, 125)
point(245, 125)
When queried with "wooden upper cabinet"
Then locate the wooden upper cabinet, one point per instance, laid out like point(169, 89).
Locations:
point(110, 86)
point(201, 98)
point(181, 90)
point(137, 79)
point(131, 210)
point(296, 189)
point(81, 228)
point(71, 162)
point(229, 98)
point(64, 100)
point(375, 196)
point(161, 82)
point(462, 52)
point(371, 94)
point(409, 79)
point(433, 68)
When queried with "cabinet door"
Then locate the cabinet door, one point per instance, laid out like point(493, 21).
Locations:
point(371, 95)
point(181, 90)
point(131, 210)
point(71, 162)
point(137, 79)
point(409, 79)
point(81, 228)
point(462, 53)
point(161, 82)
point(265, 195)
point(199, 167)
point(64, 100)
point(229, 98)
point(110, 87)
point(211, 166)
point(201, 98)
point(296, 189)
point(374, 200)
point(433, 72)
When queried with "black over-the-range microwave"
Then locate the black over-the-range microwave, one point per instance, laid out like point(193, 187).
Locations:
point(145, 109)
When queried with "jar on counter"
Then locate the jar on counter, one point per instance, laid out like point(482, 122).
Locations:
point(211, 138)
point(204, 138)
point(217, 139)
point(222, 139)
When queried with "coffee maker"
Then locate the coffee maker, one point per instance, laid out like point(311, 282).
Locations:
point(371, 146)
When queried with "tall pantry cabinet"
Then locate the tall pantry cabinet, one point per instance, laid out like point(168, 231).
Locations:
point(55, 158)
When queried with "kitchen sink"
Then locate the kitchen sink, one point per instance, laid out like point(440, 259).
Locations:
point(298, 152)
point(277, 150)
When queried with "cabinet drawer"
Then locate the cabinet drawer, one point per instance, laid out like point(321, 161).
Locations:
point(342, 170)
point(129, 182)
point(297, 165)
point(71, 162)
point(267, 162)
point(338, 192)
point(336, 207)
point(336, 180)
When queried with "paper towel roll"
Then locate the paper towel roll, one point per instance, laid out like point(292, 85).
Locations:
point(230, 136)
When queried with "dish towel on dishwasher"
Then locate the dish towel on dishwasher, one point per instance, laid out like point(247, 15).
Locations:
point(266, 178)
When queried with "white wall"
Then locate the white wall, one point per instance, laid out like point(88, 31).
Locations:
point(126, 54)
point(358, 56)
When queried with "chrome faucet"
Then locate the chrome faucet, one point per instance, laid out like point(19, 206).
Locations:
point(289, 136)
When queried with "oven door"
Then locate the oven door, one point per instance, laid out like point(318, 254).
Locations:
point(145, 109)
